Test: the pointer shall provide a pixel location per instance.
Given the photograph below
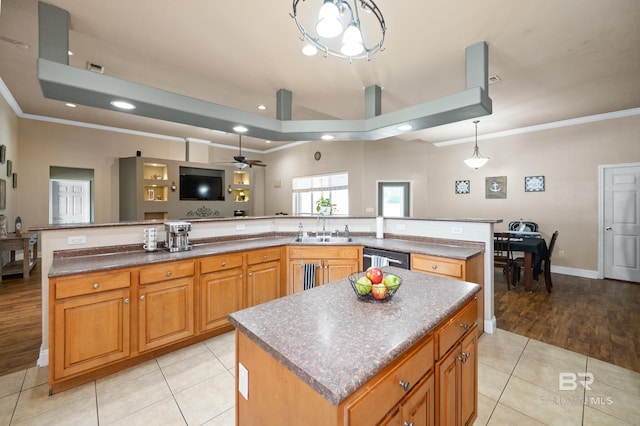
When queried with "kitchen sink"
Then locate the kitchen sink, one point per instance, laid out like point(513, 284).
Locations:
point(320, 239)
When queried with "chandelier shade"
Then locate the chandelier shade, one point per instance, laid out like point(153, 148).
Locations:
point(362, 33)
point(476, 160)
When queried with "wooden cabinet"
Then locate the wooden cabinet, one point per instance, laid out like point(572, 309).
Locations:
point(471, 270)
point(332, 264)
point(417, 408)
point(89, 322)
point(457, 370)
point(221, 283)
point(166, 304)
point(263, 275)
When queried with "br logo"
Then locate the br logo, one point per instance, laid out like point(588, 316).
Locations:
point(569, 381)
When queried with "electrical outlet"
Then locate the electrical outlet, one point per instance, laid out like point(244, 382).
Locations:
point(400, 227)
point(239, 226)
point(243, 381)
point(561, 253)
point(456, 230)
point(80, 239)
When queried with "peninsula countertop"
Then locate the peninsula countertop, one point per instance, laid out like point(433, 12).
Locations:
point(335, 342)
point(93, 262)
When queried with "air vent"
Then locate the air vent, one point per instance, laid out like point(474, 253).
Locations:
point(494, 79)
point(95, 68)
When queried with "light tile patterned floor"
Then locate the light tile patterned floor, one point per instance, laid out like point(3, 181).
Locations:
point(517, 380)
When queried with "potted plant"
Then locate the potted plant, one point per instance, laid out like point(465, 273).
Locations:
point(324, 206)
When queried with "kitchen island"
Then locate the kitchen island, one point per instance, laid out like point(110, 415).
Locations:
point(325, 357)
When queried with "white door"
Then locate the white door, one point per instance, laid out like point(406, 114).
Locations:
point(622, 223)
point(70, 201)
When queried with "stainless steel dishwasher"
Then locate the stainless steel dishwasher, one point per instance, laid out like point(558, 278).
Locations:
point(398, 259)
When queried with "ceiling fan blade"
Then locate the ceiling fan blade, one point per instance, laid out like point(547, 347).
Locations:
point(255, 163)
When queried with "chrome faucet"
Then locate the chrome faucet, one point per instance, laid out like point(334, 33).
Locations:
point(323, 237)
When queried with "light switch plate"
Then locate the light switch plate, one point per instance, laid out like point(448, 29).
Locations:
point(243, 381)
point(79, 239)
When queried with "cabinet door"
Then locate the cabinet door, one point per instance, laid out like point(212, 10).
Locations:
point(220, 295)
point(296, 274)
point(338, 269)
point(263, 283)
point(468, 377)
point(448, 377)
point(90, 332)
point(165, 313)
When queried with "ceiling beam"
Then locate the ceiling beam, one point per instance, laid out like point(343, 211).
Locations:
point(60, 81)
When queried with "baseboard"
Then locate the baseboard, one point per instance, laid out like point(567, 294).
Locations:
point(43, 359)
point(583, 273)
point(490, 325)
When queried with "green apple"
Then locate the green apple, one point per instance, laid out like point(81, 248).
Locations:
point(363, 285)
point(392, 282)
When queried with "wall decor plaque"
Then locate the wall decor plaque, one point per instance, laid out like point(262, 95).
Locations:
point(496, 187)
point(534, 184)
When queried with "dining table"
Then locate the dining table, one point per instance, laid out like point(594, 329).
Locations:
point(535, 251)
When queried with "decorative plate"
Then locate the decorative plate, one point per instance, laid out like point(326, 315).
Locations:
point(463, 187)
point(534, 183)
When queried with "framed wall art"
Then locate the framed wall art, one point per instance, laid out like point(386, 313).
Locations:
point(534, 184)
point(463, 187)
point(3, 153)
point(9, 168)
point(495, 187)
point(3, 194)
point(14, 177)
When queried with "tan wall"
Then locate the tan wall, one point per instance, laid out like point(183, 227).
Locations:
point(9, 138)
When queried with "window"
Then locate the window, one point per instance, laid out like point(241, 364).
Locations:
point(393, 199)
point(307, 191)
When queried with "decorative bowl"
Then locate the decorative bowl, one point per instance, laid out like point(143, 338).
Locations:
point(377, 292)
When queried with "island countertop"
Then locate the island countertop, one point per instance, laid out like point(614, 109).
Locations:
point(335, 342)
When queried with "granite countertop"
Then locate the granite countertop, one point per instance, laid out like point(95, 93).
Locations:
point(70, 265)
point(335, 342)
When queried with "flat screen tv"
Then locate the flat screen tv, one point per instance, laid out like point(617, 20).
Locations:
point(201, 184)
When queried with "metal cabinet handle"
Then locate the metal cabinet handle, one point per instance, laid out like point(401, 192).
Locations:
point(142, 297)
point(404, 385)
point(250, 274)
point(265, 257)
point(407, 424)
point(126, 300)
point(96, 285)
point(464, 325)
point(168, 273)
point(467, 355)
point(434, 266)
point(241, 276)
point(462, 359)
point(224, 263)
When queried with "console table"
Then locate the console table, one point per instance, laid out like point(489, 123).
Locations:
point(28, 243)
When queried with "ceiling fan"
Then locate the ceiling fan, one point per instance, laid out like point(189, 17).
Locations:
point(240, 161)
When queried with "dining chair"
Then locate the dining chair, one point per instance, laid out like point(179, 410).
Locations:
point(546, 263)
point(528, 226)
point(503, 257)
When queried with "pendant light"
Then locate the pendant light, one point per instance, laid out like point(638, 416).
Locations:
point(476, 160)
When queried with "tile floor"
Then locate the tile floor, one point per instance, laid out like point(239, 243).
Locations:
point(517, 379)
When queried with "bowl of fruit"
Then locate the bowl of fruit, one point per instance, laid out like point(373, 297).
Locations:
point(375, 285)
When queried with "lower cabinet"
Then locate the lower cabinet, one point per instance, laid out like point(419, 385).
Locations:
point(332, 264)
point(417, 408)
point(221, 282)
point(264, 276)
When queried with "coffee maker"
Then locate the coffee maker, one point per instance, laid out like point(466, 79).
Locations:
point(177, 236)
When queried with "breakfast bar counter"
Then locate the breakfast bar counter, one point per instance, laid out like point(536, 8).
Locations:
point(335, 343)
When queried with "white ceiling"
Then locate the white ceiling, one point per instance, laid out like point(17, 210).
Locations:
point(557, 59)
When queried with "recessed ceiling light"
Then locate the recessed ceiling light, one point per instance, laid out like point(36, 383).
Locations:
point(70, 105)
point(327, 137)
point(262, 107)
point(494, 79)
point(267, 141)
point(240, 129)
point(309, 49)
point(70, 53)
point(405, 127)
point(123, 105)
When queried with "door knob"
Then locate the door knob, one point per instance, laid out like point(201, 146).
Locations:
point(608, 228)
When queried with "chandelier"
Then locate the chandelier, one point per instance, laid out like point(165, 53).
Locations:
point(339, 29)
point(476, 160)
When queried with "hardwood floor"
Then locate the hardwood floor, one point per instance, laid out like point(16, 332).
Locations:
point(598, 318)
point(20, 321)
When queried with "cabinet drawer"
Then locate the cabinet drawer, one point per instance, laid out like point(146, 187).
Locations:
point(336, 252)
point(382, 395)
point(166, 271)
point(221, 262)
point(438, 265)
point(266, 255)
point(449, 333)
point(91, 283)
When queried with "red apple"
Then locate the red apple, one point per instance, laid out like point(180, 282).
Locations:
point(374, 275)
point(379, 291)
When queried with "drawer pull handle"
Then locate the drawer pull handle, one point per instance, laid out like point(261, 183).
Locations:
point(407, 424)
point(266, 257)
point(434, 266)
point(224, 263)
point(168, 273)
point(464, 357)
point(250, 274)
point(404, 385)
point(464, 325)
point(142, 297)
point(126, 300)
point(96, 285)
